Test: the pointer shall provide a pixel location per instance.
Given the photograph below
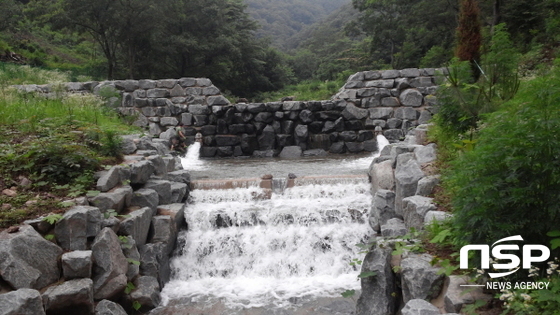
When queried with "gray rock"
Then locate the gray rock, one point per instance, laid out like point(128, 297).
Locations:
point(407, 175)
point(110, 265)
point(168, 121)
point(419, 307)
point(393, 228)
point(352, 112)
point(115, 176)
point(411, 97)
point(378, 292)
point(382, 208)
point(415, 209)
point(22, 302)
point(382, 176)
point(140, 172)
point(177, 213)
point(181, 176)
point(111, 222)
point(165, 231)
point(420, 280)
point(160, 168)
point(130, 251)
point(427, 184)
point(178, 192)
point(457, 295)
point(146, 292)
point(106, 307)
point(117, 200)
point(77, 264)
point(381, 113)
point(426, 154)
point(74, 296)
point(154, 261)
point(137, 225)
point(437, 216)
point(291, 152)
point(406, 113)
point(217, 100)
point(163, 189)
point(27, 260)
point(387, 84)
point(127, 145)
point(145, 197)
point(390, 101)
point(76, 225)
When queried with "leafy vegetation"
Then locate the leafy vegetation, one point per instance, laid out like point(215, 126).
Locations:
point(50, 147)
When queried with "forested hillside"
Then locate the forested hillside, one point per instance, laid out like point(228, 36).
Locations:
point(280, 20)
point(255, 46)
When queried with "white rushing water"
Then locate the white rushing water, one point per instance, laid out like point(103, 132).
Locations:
point(191, 161)
point(365, 162)
point(253, 253)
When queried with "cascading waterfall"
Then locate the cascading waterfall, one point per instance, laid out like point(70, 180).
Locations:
point(191, 161)
point(248, 252)
point(382, 142)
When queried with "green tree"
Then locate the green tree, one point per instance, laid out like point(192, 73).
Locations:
point(469, 37)
point(400, 34)
point(509, 183)
point(10, 14)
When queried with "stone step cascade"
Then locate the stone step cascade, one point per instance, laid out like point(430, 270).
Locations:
point(394, 100)
point(402, 185)
point(104, 245)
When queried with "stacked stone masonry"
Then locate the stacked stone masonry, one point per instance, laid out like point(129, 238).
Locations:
point(112, 247)
point(394, 100)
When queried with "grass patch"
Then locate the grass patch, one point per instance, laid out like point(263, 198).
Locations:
point(53, 145)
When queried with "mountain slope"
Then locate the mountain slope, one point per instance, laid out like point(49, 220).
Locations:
point(282, 19)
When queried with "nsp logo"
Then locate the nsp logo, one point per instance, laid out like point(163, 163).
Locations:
point(527, 255)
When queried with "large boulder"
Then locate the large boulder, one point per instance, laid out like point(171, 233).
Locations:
point(27, 260)
point(113, 177)
point(76, 225)
point(382, 176)
point(147, 292)
point(415, 209)
point(382, 208)
point(177, 213)
point(110, 267)
point(145, 197)
point(164, 231)
point(70, 297)
point(130, 251)
point(107, 307)
point(22, 302)
point(154, 261)
point(393, 228)
point(378, 291)
point(140, 172)
point(407, 175)
point(291, 152)
point(419, 307)
point(420, 280)
point(117, 199)
point(137, 225)
point(162, 188)
point(77, 264)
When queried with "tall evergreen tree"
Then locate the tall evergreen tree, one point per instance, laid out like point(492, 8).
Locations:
point(469, 37)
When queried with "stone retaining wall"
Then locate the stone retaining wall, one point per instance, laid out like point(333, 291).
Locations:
point(112, 247)
point(393, 100)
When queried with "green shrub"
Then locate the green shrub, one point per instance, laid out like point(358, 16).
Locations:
point(509, 183)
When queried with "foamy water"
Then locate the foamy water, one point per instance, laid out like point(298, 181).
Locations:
point(252, 253)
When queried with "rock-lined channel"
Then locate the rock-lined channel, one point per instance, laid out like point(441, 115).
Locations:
point(244, 254)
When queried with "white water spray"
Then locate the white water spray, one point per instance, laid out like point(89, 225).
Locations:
point(365, 162)
point(191, 161)
point(261, 253)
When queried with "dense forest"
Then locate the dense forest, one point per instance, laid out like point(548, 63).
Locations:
point(257, 46)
